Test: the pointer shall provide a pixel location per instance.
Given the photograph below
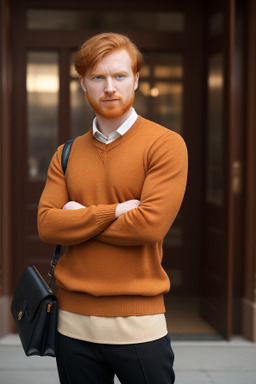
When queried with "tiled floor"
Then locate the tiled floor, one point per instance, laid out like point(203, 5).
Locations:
point(217, 362)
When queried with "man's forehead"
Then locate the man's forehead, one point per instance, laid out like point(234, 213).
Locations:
point(117, 60)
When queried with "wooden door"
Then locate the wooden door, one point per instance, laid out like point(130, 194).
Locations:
point(218, 215)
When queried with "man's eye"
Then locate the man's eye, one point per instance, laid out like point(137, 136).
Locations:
point(119, 77)
point(97, 77)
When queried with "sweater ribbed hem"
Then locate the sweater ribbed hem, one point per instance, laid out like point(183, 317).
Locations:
point(113, 306)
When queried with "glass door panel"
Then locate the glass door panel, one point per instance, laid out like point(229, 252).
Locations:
point(81, 113)
point(168, 66)
point(215, 172)
point(42, 111)
point(168, 105)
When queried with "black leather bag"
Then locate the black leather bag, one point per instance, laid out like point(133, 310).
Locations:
point(34, 310)
point(34, 306)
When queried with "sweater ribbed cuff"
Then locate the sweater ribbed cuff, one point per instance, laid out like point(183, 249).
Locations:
point(106, 213)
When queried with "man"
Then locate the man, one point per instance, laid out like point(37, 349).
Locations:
point(122, 190)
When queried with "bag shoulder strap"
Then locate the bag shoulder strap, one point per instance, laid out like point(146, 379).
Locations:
point(65, 154)
point(64, 162)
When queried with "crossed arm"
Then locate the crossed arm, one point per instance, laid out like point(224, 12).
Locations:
point(120, 208)
point(130, 223)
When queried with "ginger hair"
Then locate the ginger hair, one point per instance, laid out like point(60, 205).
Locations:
point(94, 49)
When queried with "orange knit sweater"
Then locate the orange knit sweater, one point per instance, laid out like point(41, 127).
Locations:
point(112, 266)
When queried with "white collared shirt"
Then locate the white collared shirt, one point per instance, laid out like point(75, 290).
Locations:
point(116, 134)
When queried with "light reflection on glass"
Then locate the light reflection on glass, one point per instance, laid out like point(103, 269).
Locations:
point(169, 66)
point(160, 98)
point(168, 105)
point(145, 71)
point(42, 104)
point(81, 112)
point(72, 70)
point(214, 192)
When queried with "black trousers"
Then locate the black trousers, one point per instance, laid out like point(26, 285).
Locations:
point(81, 362)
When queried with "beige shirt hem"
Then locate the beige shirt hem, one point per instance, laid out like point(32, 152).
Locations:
point(112, 330)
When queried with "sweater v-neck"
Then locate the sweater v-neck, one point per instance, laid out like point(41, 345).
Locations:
point(107, 147)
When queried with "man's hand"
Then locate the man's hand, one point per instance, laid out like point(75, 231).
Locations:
point(126, 206)
point(120, 209)
point(73, 205)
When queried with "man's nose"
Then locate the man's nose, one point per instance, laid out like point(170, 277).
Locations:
point(109, 86)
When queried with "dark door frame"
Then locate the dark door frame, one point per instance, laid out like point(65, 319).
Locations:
point(5, 169)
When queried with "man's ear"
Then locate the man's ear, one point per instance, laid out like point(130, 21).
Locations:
point(136, 80)
point(82, 83)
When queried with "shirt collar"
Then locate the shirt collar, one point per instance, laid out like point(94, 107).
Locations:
point(116, 134)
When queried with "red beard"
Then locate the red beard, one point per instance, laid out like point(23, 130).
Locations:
point(111, 110)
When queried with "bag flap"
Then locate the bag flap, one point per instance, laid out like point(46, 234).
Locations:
point(30, 292)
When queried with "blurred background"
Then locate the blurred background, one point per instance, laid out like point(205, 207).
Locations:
point(199, 79)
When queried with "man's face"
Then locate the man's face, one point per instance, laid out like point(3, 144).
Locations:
point(110, 86)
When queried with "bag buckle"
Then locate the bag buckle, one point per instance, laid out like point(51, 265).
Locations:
point(22, 310)
point(20, 314)
point(49, 307)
